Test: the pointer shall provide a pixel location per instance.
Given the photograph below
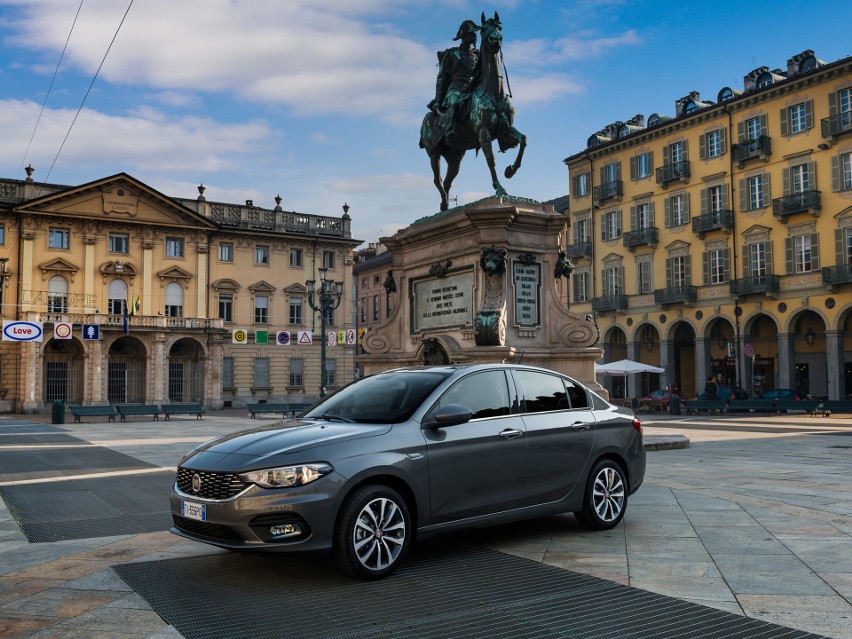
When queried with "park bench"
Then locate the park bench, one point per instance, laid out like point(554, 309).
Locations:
point(93, 411)
point(830, 406)
point(183, 409)
point(284, 408)
point(751, 406)
point(126, 410)
point(708, 405)
point(809, 406)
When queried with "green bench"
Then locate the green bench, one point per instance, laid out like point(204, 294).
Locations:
point(284, 408)
point(93, 411)
point(751, 406)
point(708, 405)
point(809, 406)
point(830, 406)
point(126, 410)
point(183, 409)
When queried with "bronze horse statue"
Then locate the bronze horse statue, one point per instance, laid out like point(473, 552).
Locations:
point(486, 114)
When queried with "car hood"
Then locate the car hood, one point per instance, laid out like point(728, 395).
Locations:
point(254, 447)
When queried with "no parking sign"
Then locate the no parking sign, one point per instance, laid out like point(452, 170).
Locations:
point(282, 338)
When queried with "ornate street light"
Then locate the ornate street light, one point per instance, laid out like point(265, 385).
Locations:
point(324, 299)
point(810, 336)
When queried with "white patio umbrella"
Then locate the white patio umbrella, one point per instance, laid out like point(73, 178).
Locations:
point(625, 367)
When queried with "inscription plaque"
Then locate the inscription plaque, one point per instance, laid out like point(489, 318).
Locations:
point(443, 302)
point(526, 279)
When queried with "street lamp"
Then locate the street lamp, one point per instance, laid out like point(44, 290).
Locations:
point(810, 336)
point(3, 273)
point(328, 298)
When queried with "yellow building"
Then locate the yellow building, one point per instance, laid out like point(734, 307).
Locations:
point(212, 291)
point(718, 241)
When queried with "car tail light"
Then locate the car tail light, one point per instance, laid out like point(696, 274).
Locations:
point(637, 425)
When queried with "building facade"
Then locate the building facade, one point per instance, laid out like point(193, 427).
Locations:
point(145, 298)
point(718, 241)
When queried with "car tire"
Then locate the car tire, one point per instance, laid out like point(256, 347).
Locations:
point(605, 500)
point(373, 532)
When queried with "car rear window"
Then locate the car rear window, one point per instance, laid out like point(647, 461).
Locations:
point(385, 398)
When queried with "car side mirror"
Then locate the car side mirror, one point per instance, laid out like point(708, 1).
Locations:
point(449, 415)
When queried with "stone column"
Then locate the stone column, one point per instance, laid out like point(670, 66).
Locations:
point(633, 380)
point(667, 356)
point(89, 272)
point(158, 364)
point(786, 361)
point(836, 364)
point(702, 363)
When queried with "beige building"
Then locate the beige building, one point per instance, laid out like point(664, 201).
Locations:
point(718, 241)
point(214, 291)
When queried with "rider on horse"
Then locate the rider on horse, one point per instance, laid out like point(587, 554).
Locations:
point(456, 67)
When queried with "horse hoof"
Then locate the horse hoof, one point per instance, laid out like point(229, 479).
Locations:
point(510, 171)
point(501, 192)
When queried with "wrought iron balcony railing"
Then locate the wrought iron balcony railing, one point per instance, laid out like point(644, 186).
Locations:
point(639, 237)
point(614, 189)
point(609, 303)
point(723, 220)
point(840, 274)
point(579, 250)
point(673, 171)
point(676, 295)
point(804, 202)
point(837, 124)
point(760, 147)
point(753, 285)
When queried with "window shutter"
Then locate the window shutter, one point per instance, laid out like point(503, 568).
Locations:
point(767, 191)
point(684, 200)
point(726, 265)
point(603, 175)
point(605, 281)
point(835, 173)
point(724, 198)
point(668, 272)
point(634, 222)
point(788, 254)
point(741, 132)
point(814, 252)
point(785, 173)
point(743, 189)
point(832, 104)
point(650, 214)
point(687, 271)
point(812, 183)
point(650, 162)
point(809, 114)
point(705, 262)
point(618, 170)
point(618, 223)
point(667, 212)
point(839, 252)
point(619, 282)
point(702, 147)
point(723, 140)
point(746, 261)
point(785, 121)
point(705, 202)
point(764, 125)
point(634, 172)
point(685, 150)
point(769, 264)
point(575, 188)
point(667, 154)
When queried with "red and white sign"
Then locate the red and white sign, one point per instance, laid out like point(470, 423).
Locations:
point(306, 337)
point(331, 338)
point(350, 336)
point(20, 331)
point(749, 350)
point(62, 330)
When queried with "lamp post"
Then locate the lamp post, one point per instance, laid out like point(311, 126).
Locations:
point(3, 273)
point(324, 299)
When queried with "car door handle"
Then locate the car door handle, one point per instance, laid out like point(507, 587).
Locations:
point(580, 426)
point(511, 433)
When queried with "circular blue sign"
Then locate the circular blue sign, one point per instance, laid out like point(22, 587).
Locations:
point(283, 338)
point(22, 331)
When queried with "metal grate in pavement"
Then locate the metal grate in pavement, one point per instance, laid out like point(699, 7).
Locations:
point(36, 439)
point(445, 590)
point(58, 462)
point(88, 508)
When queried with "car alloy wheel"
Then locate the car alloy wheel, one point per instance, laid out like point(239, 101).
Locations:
point(606, 497)
point(372, 532)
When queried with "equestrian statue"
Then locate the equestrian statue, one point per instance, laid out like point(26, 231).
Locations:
point(471, 108)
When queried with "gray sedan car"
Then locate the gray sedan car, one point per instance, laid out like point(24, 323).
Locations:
point(413, 452)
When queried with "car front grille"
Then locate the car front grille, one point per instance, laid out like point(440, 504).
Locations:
point(213, 485)
point(203, 529)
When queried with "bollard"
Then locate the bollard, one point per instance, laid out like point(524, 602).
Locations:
point(674, 405)
point(57, 412)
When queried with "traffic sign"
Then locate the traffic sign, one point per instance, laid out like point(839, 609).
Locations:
point(331, 338)
point(306, 337)
point(350, 336)
point(748, 349)
point(239, 336)
point(91, 331)
point(282, 338)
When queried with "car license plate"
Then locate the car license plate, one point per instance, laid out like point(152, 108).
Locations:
point(191, 510)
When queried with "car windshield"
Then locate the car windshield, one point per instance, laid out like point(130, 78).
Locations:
point(385, 398)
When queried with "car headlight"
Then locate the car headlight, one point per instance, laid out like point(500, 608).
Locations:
point(286, 476)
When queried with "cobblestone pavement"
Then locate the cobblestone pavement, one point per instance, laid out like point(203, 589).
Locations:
point(754, 517)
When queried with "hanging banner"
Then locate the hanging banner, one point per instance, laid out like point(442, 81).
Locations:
point(19, 331)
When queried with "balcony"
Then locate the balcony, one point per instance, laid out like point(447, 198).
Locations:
point(640, 237)
point(804, 202)
point(759, 148)
point(610, 190)
point(137, 322)
point(836, 125)
point(579, 250)
point(717, 220)
point(609, 303)
point(675, 171)
point(840, 274)
point(766, 284)
point(676, 295)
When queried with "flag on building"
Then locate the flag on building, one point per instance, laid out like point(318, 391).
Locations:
point(126, 319)
point(135, 305)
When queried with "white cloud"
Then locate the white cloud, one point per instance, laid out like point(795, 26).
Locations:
point(578, 46)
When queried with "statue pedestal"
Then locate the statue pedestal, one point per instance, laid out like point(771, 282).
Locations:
point(477, 284)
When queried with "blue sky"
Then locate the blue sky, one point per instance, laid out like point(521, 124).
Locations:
point(321, 101)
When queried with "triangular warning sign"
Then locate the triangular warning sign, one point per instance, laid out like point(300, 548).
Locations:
point(305, 337)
